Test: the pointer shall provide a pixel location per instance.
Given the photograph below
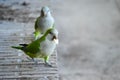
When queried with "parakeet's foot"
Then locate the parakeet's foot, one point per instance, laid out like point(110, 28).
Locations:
point(48, 64)
point(34, 60)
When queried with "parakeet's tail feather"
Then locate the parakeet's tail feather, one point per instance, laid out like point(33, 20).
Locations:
point(16, 47)
point(24, 45)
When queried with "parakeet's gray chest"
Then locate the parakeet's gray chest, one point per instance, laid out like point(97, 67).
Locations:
point(45, 23)
point(47, 47)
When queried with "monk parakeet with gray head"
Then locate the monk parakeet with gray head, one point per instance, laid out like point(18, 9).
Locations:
point(43, 47)
point(43, 22)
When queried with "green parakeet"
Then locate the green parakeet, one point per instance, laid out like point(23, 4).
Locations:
point(43, 22)
point(42, 47)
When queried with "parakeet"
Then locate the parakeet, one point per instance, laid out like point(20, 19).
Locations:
point(43, 22)
point(43, 47)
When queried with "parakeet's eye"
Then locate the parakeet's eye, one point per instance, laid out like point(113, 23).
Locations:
point(51, 33)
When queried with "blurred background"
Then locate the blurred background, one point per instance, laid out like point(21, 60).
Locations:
point(89, 33)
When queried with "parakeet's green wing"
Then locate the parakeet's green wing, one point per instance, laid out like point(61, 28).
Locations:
point(37, 31)
point(34, 47)
point(36, 26)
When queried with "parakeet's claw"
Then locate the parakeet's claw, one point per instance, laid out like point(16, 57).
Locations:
point(46, 61)
point(33, 59)
point(48, 64)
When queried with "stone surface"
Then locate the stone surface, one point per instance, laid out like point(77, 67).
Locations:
point(89, 32)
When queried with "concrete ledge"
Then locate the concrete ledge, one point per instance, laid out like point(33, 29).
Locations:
point(14, 64)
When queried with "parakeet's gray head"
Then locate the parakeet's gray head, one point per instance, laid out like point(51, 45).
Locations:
point(53, 36)
point(45, 11)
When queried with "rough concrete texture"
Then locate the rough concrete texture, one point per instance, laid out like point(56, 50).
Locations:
point(89, 32)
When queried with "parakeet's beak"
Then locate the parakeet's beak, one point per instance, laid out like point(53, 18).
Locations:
point(44, 13)
point(55, 39)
